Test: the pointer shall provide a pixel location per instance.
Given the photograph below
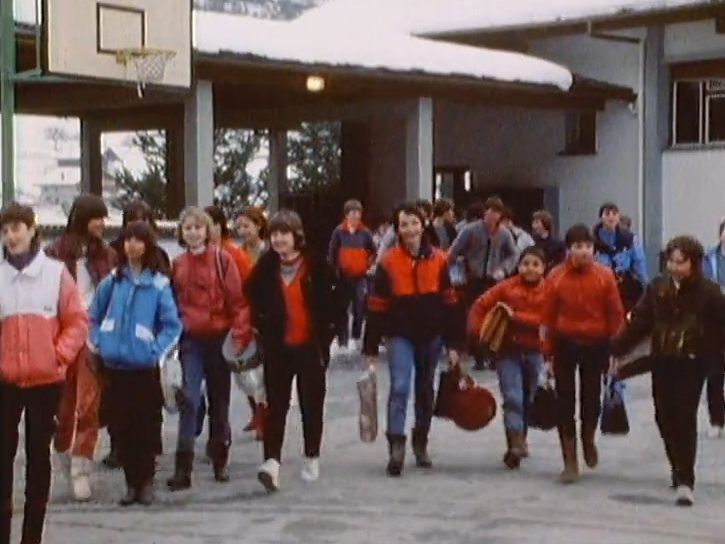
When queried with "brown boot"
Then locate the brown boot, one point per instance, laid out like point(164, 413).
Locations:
point(525, 445)
point(570, 474)
point(512, 457)
point(419, 443)
point(396, 448)
point(589, 446)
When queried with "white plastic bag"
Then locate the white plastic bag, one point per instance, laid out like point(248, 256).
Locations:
point(251, 383)
point(367, 387)
point(171, 375)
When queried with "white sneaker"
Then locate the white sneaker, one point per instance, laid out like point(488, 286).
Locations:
point(715, 432)
point(80, 475)
point(684, 496)
point(63, 459)
point(268, 475)
point(311, 469)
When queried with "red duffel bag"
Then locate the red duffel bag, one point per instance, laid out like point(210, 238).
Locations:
point(471, 406)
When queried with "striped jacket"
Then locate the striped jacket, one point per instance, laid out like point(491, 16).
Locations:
point(43, 324)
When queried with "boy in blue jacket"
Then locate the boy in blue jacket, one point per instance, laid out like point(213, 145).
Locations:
point(135, 325)
point(714, 269)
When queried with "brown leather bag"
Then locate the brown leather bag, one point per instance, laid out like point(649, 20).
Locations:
point(494, 329)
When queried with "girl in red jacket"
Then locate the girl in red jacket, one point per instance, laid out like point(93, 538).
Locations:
point(521, 362)
point(44, 328)
point(211, 304)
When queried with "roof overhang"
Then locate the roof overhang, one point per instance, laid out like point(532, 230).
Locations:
point(248, 83)
point(512, 34)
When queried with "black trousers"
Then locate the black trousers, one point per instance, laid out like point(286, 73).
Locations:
point(136, 404)
point(40, 405)
point(591, 361)
point(280, 367)
point(716, 390)
point(676, 389)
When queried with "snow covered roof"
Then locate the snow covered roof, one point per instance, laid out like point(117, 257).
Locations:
point(431, 17)
point(356, 46)
point(304, 42)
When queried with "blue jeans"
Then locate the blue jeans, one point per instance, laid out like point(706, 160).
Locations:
point(354, 291)
point(202, 361)
point(404, 357)
point(518, 378)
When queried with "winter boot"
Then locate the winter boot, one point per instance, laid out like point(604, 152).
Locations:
point(570, 474)
point(419, 442)
point(130, 497)
point(6, 517)
point(220, 462)
point(589, 446)
point(515, 451)
point(145, 490)
point(182, 472)
point(80, 475)
point(33, 521)
point(525, 445)
point(396, 447)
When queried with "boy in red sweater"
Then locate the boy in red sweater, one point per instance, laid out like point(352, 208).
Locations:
point(582, 313)
point(520, 362)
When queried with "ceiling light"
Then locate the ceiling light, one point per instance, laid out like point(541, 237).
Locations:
point(315, 84)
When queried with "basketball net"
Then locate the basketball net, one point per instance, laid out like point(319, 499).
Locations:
point(149, 65)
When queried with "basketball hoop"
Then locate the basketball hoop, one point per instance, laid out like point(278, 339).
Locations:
point(150, 64)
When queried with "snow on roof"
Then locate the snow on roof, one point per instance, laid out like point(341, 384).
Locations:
point(306, 42)
point(423, 17)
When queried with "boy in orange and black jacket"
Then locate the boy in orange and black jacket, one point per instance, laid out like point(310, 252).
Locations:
point(412, 305)
point(582, 313)
point(351, 253)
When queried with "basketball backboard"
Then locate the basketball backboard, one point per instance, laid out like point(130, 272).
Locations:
point(82, 38)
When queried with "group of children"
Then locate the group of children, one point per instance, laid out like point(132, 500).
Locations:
point(86, 326)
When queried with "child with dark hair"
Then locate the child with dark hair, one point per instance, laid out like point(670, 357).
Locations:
point(44, 328)
point(140, 211)
point(88, 259)
point(684, 314)
point(252, 228)
point(413, 306)
point(542, 226)
point(351, 252)
point(134, 325)
point(136, 211)
point(520, 363)
point(582, 313)
point(295, 303)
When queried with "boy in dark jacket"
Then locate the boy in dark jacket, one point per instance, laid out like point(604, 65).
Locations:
point(684, 313)
point(413, 306)
point(294, 303)
point(351, 253)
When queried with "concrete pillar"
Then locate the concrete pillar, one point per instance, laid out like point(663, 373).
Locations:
point(91, 157)
point(278, 184)
point(419, 150)
point(654, 109)
point(199, 145)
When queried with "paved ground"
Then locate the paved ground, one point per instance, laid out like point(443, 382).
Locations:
point(468, 498)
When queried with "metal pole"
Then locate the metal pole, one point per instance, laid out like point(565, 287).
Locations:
point(7, 97)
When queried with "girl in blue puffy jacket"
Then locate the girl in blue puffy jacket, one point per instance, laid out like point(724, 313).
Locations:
point(135, 324)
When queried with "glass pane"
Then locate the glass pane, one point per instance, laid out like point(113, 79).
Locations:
point(716, 120)
point(687, 112)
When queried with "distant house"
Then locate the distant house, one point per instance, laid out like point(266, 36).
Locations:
point(65, 184)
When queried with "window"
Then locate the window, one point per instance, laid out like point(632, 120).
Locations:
point(698, 112)
point(581, 133)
